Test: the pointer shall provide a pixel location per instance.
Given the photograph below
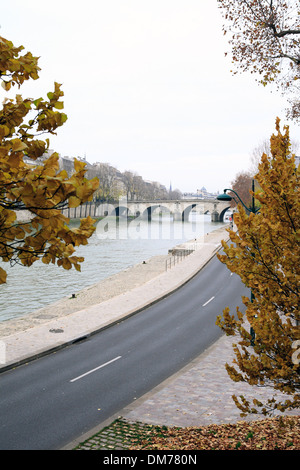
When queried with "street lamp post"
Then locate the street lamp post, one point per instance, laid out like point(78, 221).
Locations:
point(226, 197)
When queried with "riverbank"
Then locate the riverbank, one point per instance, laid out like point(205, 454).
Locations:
point(105, 302)
point(92, 295)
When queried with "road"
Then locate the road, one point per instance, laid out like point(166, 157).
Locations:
point(55, 399)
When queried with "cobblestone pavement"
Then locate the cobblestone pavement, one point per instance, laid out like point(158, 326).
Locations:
point(119, 435)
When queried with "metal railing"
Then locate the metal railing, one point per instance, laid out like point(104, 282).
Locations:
point(177, 257)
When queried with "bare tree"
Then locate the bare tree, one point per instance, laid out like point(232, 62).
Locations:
point(265, 40)
point(242, 185)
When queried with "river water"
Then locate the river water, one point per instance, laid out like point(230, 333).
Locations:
point(112, 248)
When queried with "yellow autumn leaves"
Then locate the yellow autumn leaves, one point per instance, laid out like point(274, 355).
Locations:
point(265, 252)
point(40, 188)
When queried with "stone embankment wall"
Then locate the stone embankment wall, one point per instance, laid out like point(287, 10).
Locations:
point(74, 213)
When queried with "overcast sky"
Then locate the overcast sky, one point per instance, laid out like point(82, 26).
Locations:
point(147, 87)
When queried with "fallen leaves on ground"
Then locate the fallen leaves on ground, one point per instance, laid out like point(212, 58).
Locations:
point(280, 433)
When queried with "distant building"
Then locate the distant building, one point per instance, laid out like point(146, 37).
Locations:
point(65, 163)
point(200, 194)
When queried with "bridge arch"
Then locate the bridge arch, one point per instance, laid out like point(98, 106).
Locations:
point(222, 213)
point(121, 211)
point(149, 210)
point(186, 212)
point(216, 211)
point(201, 208)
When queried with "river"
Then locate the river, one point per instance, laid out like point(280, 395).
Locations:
point(112, 248)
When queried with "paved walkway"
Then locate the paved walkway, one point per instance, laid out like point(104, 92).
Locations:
point(199, 394)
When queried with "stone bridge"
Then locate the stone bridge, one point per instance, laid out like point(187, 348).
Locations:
point(178, 209)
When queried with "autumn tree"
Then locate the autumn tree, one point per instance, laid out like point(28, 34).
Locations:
point(265, 252)
point(28, 184)
point(242, 185)
point(108, 189)
point(265, 40)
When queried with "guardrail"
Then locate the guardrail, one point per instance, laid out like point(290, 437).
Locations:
point(177, 256)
